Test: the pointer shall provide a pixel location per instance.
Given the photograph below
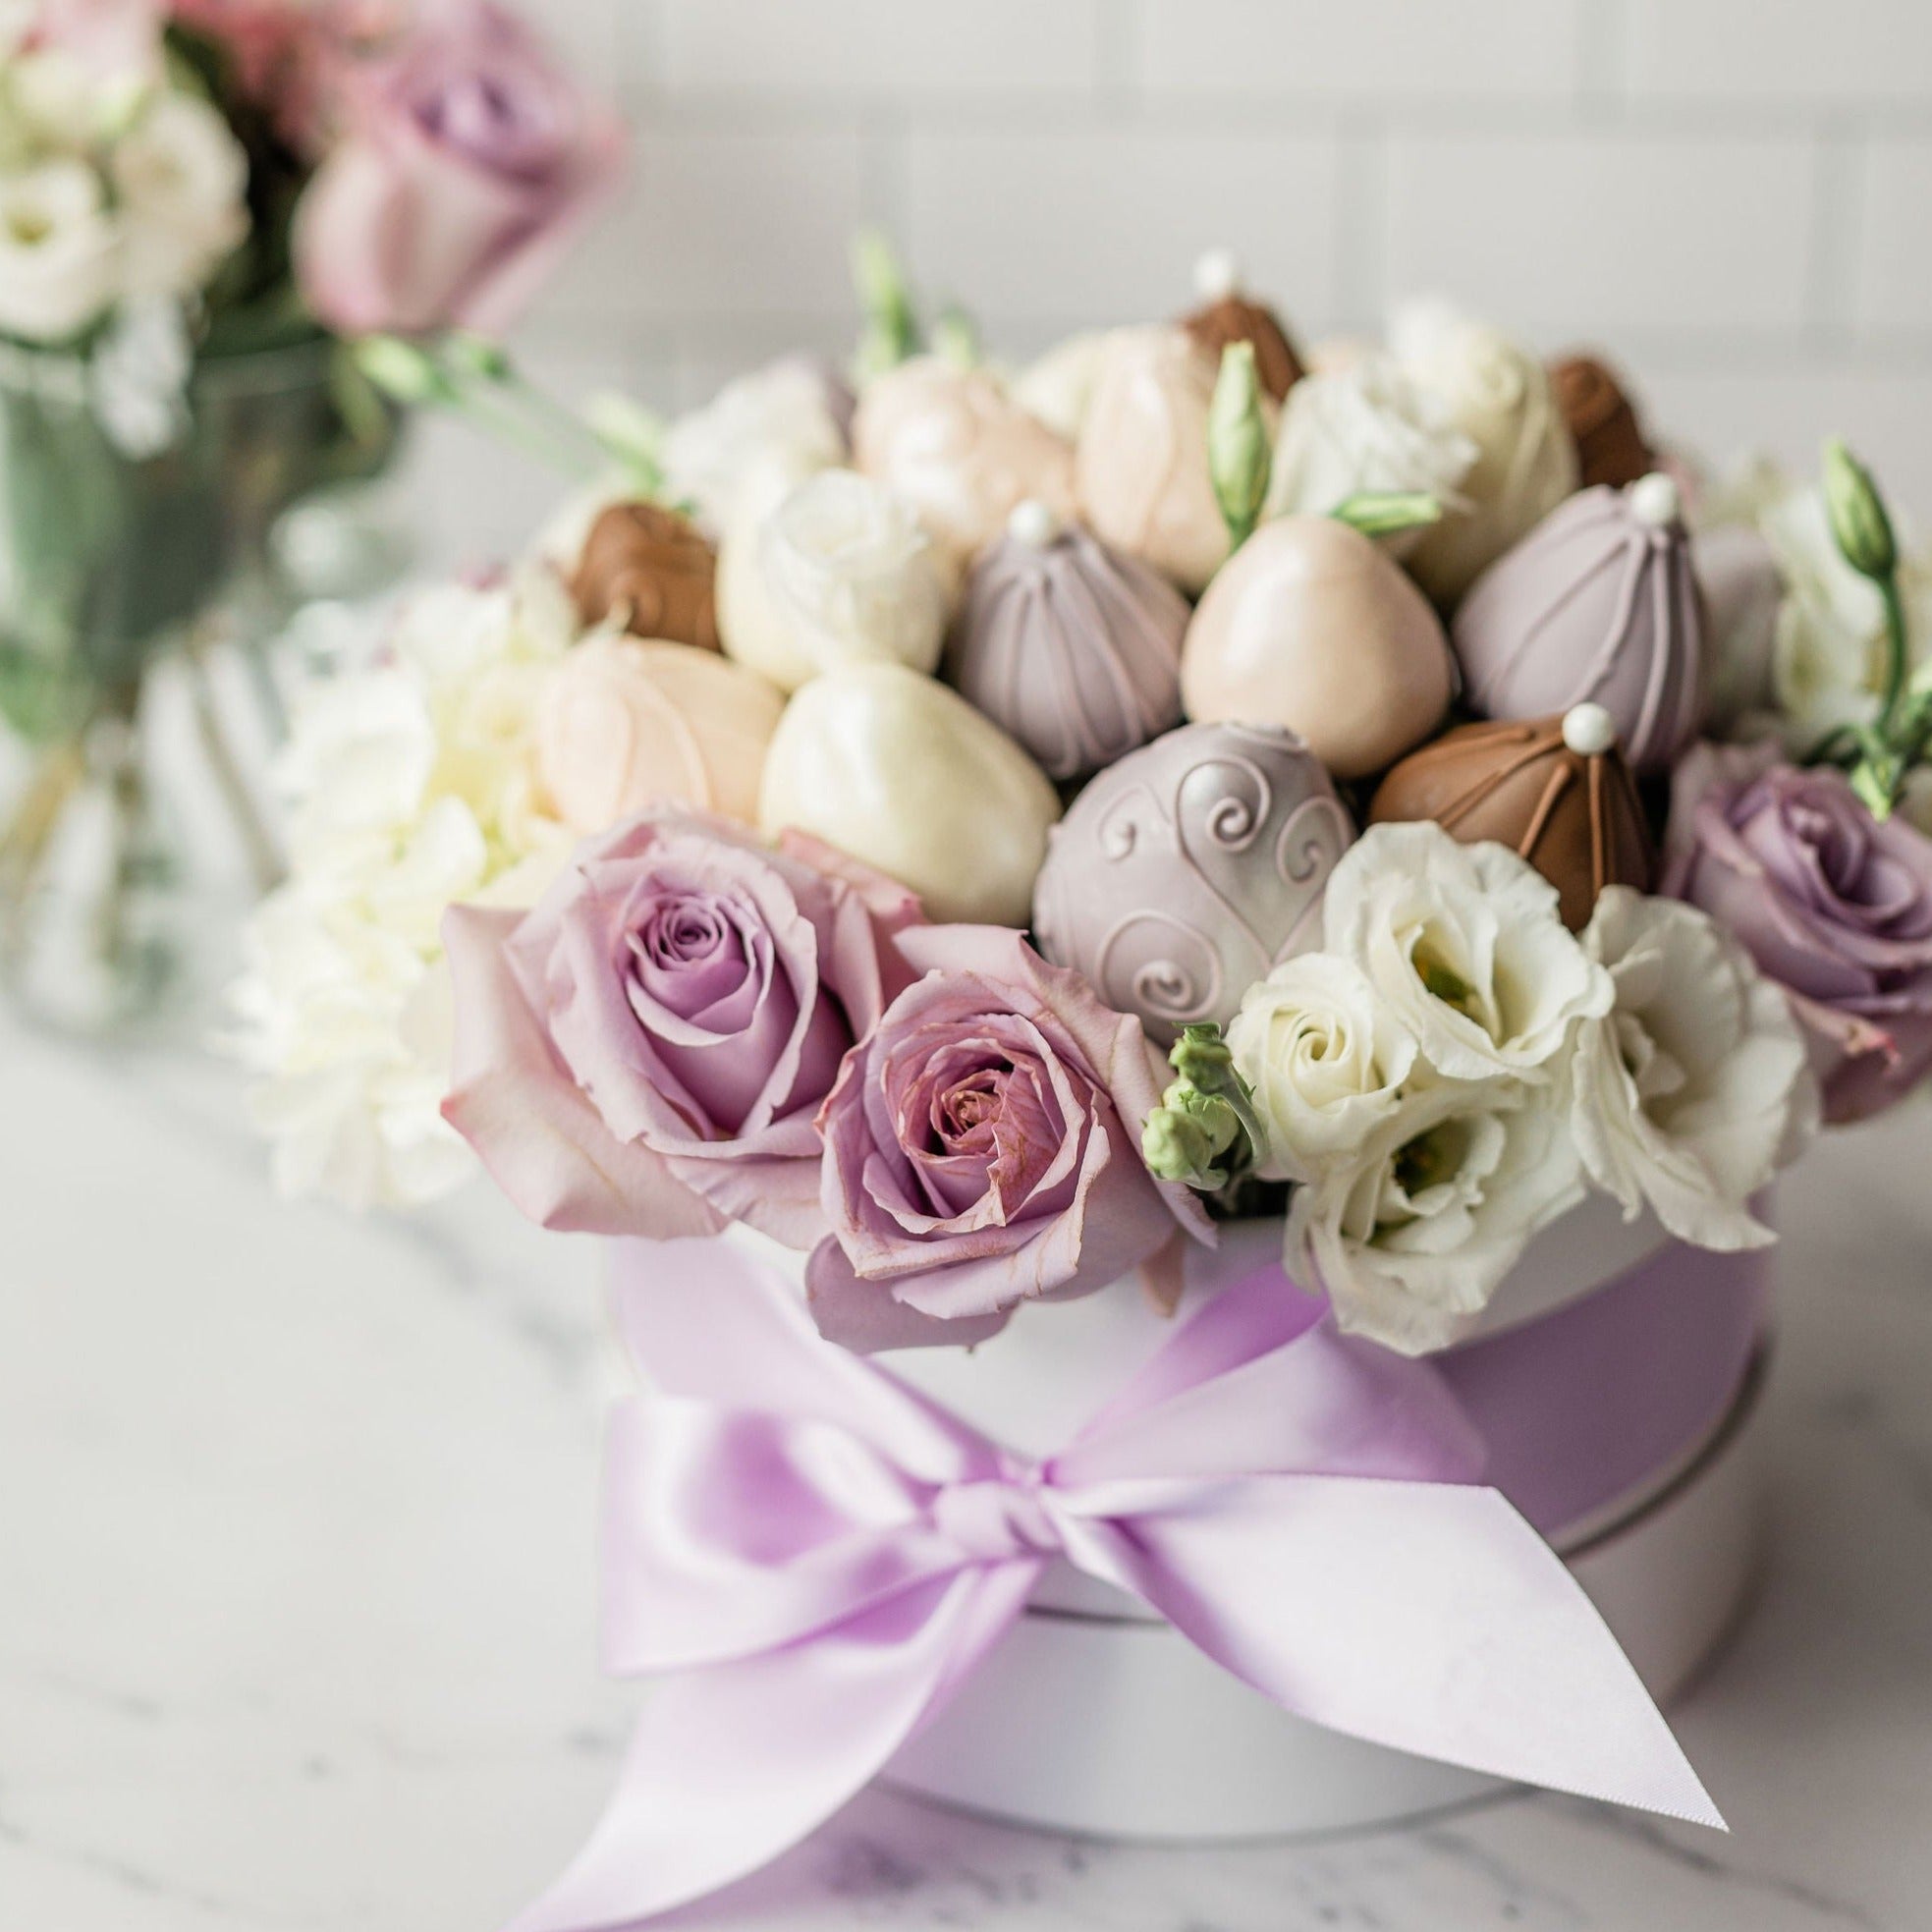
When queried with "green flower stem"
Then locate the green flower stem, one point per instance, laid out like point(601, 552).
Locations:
point(1897, 662)
point(581, 442)
point(1840, 744)
point(475, 379)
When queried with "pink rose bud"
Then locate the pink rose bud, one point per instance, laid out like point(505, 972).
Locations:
point(468, 164)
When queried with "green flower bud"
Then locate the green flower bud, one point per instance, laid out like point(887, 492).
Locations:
point(955, 337)
point(1860, 527)
point(1385, 513)
point(1212, 1113)
point(1176, 1146)
point(1201, 1058)
point(892, 330)
point(1238, 458)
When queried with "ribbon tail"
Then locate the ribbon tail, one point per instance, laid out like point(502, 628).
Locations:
point(732, 1765)
point(1427, 1616)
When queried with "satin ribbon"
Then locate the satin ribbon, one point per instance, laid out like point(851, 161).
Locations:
point(1587, 1403)
point(816, 1557)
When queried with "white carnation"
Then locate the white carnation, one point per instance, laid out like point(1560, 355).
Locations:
point(1364, 427)
point(1325, 1058)
point(1411, 1236)
point(1466, 945)
point(412, 786)
point(1696, 1087)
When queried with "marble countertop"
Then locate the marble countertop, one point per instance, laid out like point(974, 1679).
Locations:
point(295, 1588)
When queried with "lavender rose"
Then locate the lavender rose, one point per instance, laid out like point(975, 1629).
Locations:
point(466, 165)
point(1833, 905)
point(645, 1052)
point(982, 1149)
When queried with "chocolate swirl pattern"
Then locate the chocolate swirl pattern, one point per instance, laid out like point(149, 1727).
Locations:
point(1182, 874)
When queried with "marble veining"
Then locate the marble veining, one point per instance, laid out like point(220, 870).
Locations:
point(296, 1544)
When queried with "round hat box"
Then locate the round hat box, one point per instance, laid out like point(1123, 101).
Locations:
point(1094, 1716)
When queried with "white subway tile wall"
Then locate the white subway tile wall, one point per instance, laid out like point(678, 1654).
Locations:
point(1734, 196)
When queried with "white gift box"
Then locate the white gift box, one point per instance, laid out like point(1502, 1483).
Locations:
point(1094, 1716)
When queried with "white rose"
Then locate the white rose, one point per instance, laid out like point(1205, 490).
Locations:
point(1696, 1087)
point(1465, 944)
point(181, 181)
point(1325, 1058)
point(1057, 386)
point(846, 576)
point(778, 413)
point(1361, 428)
point(1498, 393)
point(1411, 1237)
point(59, 253)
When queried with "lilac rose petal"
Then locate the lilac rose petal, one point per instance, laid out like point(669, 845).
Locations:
point(541, 1140)
point(698, 992)
point(983, 1150)
point(1830, 903)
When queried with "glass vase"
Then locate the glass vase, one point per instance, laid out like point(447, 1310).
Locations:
point(118, 567)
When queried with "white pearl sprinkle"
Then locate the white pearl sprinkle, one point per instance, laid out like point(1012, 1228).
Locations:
point(1589, 731)
point(1032, 522)
point(1217, 274)
point(1654, 500)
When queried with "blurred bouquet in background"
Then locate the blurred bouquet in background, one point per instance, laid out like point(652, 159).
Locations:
point(199, 199)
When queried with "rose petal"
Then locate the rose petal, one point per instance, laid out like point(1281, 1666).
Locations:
point(514, 1101)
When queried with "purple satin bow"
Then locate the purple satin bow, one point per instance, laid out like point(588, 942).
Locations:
point(817, 1557)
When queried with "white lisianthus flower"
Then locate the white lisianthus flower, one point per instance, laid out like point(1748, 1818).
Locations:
point(181, 181)
point(1411, 1236)
point(1696, 1087)
point(59, 253)
point(1830, 652)
point(1466, 945)
point(413, 786)
point(849, 577)
point(780, 414)
point(1365, 427)
point(1324, 1056)
point(52, 103)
